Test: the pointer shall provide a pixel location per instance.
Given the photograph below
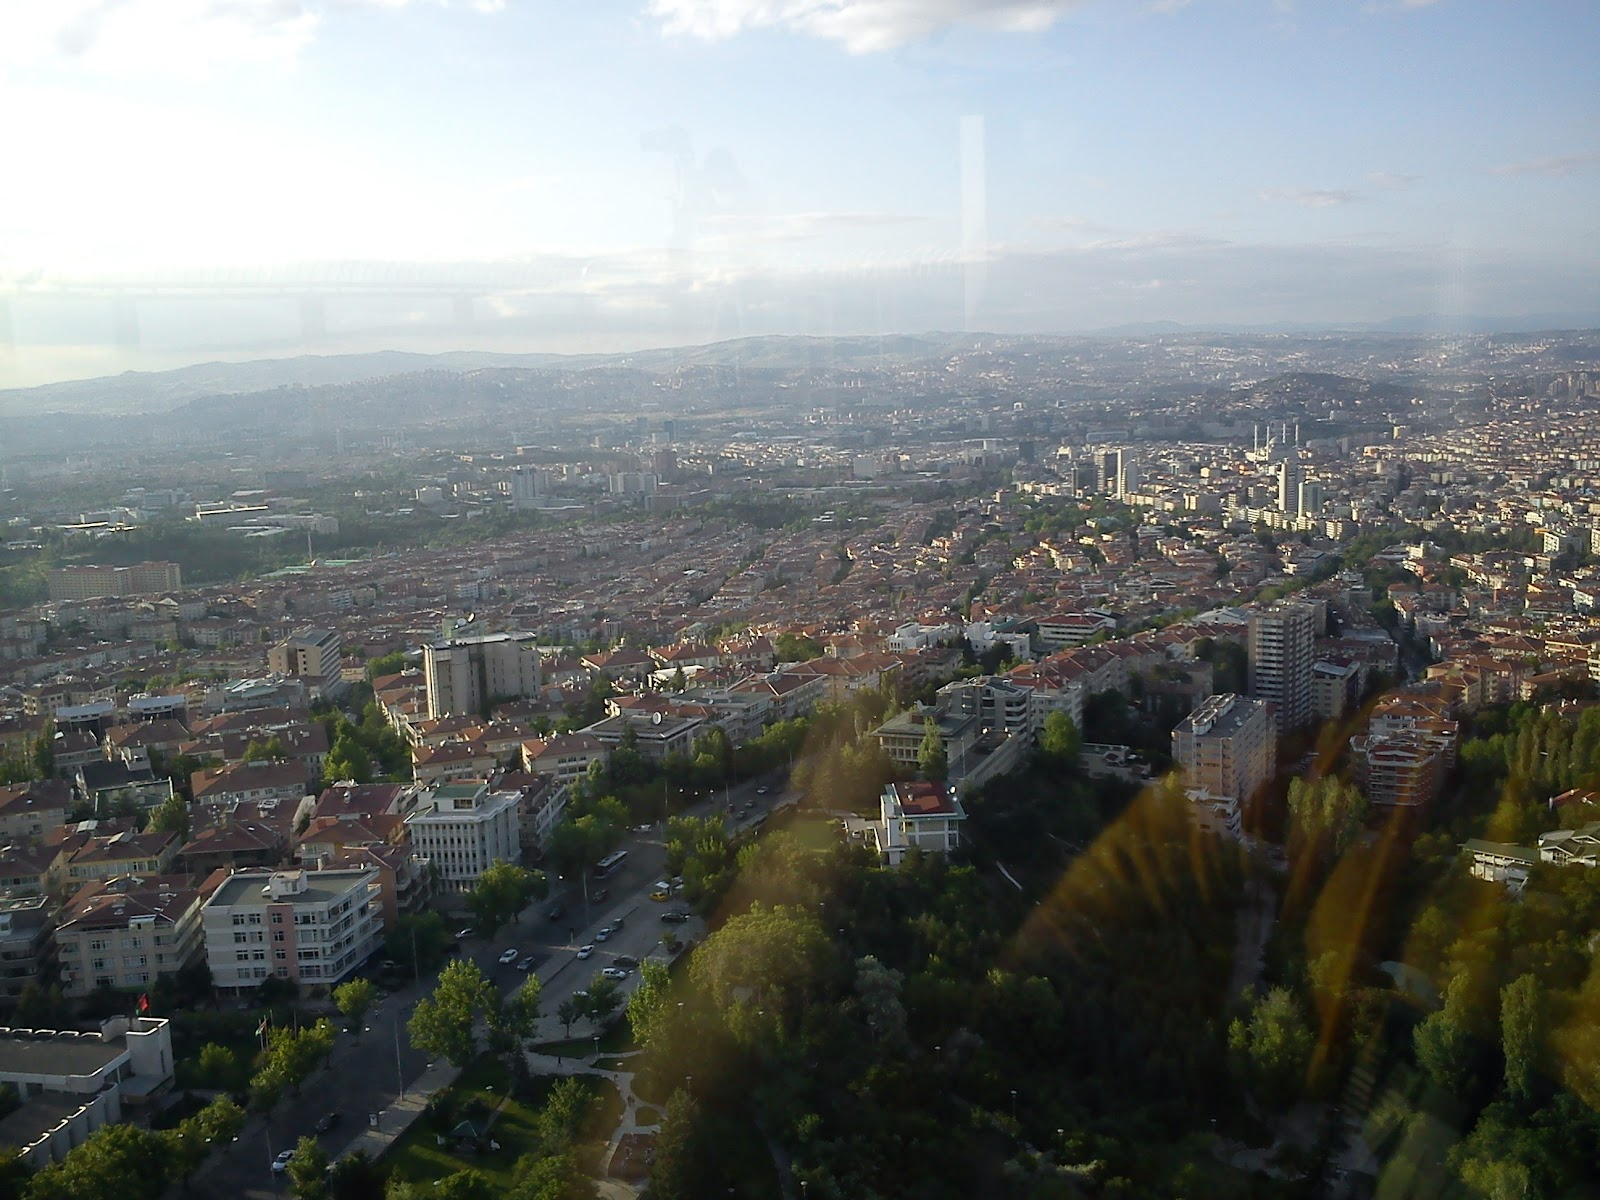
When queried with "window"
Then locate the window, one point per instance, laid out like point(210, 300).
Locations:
point(255, 918)
point(238, 918)
point(280, 955)
point(98, 944)
point(277, 935)
point(240, 939)
point(277, 918)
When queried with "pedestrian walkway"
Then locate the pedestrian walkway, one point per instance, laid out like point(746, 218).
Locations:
point(375, 1140)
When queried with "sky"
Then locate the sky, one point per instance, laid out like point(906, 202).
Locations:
point(188, 180)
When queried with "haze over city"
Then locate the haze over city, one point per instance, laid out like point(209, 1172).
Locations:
point(198, 180)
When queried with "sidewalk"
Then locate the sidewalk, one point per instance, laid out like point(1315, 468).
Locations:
point(400, 1115)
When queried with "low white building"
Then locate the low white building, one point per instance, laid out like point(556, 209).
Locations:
point(73, 1082)
point(927, 816)
point(463, 828)
point(309, 927)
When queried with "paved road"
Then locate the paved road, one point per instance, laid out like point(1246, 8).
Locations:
point(370, 1069)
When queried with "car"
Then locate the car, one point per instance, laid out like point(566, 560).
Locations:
point(600, 895)
point(581, 994)
point(585, 951)
point(659, 894)
point(614, 973)
point(674, 916)
point(556, 911)
point(627, 962)
point(602, 933)
point(745, 808)
point(327, 1121)
point(281, 1163)
point(525, 964)
point(509, 956)
point(616, 924)
point(388, 964)
point(644, 828)
point(463, 934)
point(762, 791)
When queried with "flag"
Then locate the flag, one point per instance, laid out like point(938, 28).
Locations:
point(144, 1003)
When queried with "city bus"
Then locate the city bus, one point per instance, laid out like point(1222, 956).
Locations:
point(610, 864)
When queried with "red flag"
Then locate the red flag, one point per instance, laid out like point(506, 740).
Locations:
point(144, 1003)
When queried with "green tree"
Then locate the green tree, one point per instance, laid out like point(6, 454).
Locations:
point(462, 1185)
point(501, 893)
point(765, 959)
point(795, 647)
point(1443, 1044)
point(44, 752)
point(1060, 740)
point(170, 816)
point(116, 1162)
point(219, 1066)
point(444, 1024)
point(604, 999)
point(354, 999)
point(683, 1169)
point(41, 1007)
point(552, 1175)
point(356, 1177)
point(932, 760)
point(1273, 1045)
point(387, 664)
point(650, 1007)
point(417, 942)
point(1326, 816)
point(1522, 1034)
point(512, 1020)
point(308, 1170)
point(568, 1012)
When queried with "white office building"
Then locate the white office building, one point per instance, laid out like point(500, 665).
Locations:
point(462, 828)
point(309, 927)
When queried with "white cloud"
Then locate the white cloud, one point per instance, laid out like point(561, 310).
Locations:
point(1560, 164)
point(1313, 197)
point(1393, 181)
point(862, 26)
point(120, 37)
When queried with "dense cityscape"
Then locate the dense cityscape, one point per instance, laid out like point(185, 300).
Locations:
point(1151, 765)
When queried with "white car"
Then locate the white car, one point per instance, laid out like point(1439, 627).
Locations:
point(602, 933)
point(509, 957)
point(614, 973)
point(585, 951)
point(281, 1163)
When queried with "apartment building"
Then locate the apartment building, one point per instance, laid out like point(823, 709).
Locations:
point(89, 582)
point(1280, 649)
point(312, 655)
point(311, 928)
point(1227, 746)
point(29, 811)
point(465, 674)
point(462, 828)
point(126, 932)
point(26, 945)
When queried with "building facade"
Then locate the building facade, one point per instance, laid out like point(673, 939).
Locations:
point(1226, 747)
point(308, 927)
point(463, 675)
point(1281, 645)
point(462, 829)
point(313, 655)
point(124, 933)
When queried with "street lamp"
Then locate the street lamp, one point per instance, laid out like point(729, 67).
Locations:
point(1013, 1104)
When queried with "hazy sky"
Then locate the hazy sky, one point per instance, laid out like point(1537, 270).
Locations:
point(568, 174)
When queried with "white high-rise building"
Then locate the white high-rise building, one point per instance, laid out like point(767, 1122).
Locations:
point(1289, 487)
point(465, 673)
point(1282, 638)
point(462, 828)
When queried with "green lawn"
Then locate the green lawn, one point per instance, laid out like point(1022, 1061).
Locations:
point(615, 1040)
point(418, 1156)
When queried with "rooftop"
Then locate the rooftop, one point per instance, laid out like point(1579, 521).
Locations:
point(246, 889)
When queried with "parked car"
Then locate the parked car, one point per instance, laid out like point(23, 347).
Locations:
point(763, 790)
point(600, 895)
point(614, 973)
point(281, 1163)
point(509, 956)
point(627, 962)
point(616, 924)
point(525, 964)
point(674, 916)
point(585, 951)
point(327, 1122)
point(463, 934)
point(556, 911)
point(603, 933)
point(659, 894)
point(388, 964)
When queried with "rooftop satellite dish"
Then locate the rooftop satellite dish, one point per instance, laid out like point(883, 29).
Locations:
point(655, 718)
